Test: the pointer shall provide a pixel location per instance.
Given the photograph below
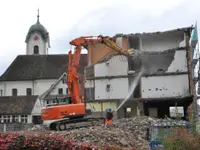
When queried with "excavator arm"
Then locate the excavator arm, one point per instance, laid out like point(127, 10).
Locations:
point(72, 75)
point(63, 116)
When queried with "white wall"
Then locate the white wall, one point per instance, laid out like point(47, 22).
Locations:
point(179, 63)
point(19, 85)
point(38, 87)
point(89, 83)
point(40, 42)
point(117, 65)
point(42, 85)
point(118, 88)
point(37, 108)
point(59, 85)
point(160, 42)
point(164, 86)
point(119, 41)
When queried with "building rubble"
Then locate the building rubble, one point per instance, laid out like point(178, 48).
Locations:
point(125, 133)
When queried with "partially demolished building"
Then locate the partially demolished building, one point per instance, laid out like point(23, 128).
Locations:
point(166, 81)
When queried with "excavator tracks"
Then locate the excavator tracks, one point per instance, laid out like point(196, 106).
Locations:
point(67, 124)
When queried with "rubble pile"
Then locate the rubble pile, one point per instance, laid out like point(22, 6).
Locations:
point(126, 133)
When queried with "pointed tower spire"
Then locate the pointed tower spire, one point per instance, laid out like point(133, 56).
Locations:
point(38, 16)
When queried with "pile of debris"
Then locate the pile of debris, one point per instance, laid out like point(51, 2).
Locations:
point(126, 133)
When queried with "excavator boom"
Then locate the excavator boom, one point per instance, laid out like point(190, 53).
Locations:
point(73, 112)
point(72, 78)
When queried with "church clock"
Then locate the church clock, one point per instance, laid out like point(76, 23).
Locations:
point(36, 38)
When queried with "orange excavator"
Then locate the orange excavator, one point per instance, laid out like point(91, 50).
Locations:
point(73, 113)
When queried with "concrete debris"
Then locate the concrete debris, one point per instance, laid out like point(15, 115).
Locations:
point(152, 61)
point(126, 133)
point(137, 53)
point(38, 128)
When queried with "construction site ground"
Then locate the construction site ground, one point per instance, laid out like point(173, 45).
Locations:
point(125, 133)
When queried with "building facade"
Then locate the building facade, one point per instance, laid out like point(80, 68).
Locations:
point(165, 83)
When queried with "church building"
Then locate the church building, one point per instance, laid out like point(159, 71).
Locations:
point(30, 75)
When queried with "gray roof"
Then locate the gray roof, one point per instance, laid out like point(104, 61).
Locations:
point(17, 104)
point(38, 28)
point(32, 67)
point(177, 30)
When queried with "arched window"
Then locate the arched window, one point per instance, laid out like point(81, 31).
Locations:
point(36, 49)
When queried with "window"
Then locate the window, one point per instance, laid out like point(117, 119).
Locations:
point(67, 91)
point(108, 88)
point(54, 102)
point(1, 92)
point(6, 119)
point(60, 91)
point(176, 111)
point(15, 118)
point(37, 119)
point(28, 91)
point(127, 112)
point(24, 119)
point(14, 92)
point(36, 49)
point(63, 81)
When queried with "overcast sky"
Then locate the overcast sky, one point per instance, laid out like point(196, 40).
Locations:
point(67, 19)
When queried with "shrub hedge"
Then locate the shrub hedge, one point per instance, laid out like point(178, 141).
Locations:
point(181, 139)
point(17, 141)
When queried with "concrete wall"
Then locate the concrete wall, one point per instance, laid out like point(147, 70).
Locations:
point(98, 108)
point(161, 41)
point(117, 65)
point(21, 87)
point(40, 43)
point(179, 63)
point(38, 87)
point(164, 86)
point(118, 88)
point(122, 112)
point(101, 106)
point(89, 83)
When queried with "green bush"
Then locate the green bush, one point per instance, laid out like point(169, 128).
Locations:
point(181, 139)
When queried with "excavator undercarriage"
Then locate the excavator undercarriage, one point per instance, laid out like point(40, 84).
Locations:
point(69, 124)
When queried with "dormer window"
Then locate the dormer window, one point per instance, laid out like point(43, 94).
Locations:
point(36, 49)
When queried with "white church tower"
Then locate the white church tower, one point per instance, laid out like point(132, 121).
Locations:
point(37, 39)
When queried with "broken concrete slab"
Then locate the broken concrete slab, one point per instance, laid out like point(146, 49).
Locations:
point(153, 62)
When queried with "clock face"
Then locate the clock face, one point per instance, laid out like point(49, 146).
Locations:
point(36, 38)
